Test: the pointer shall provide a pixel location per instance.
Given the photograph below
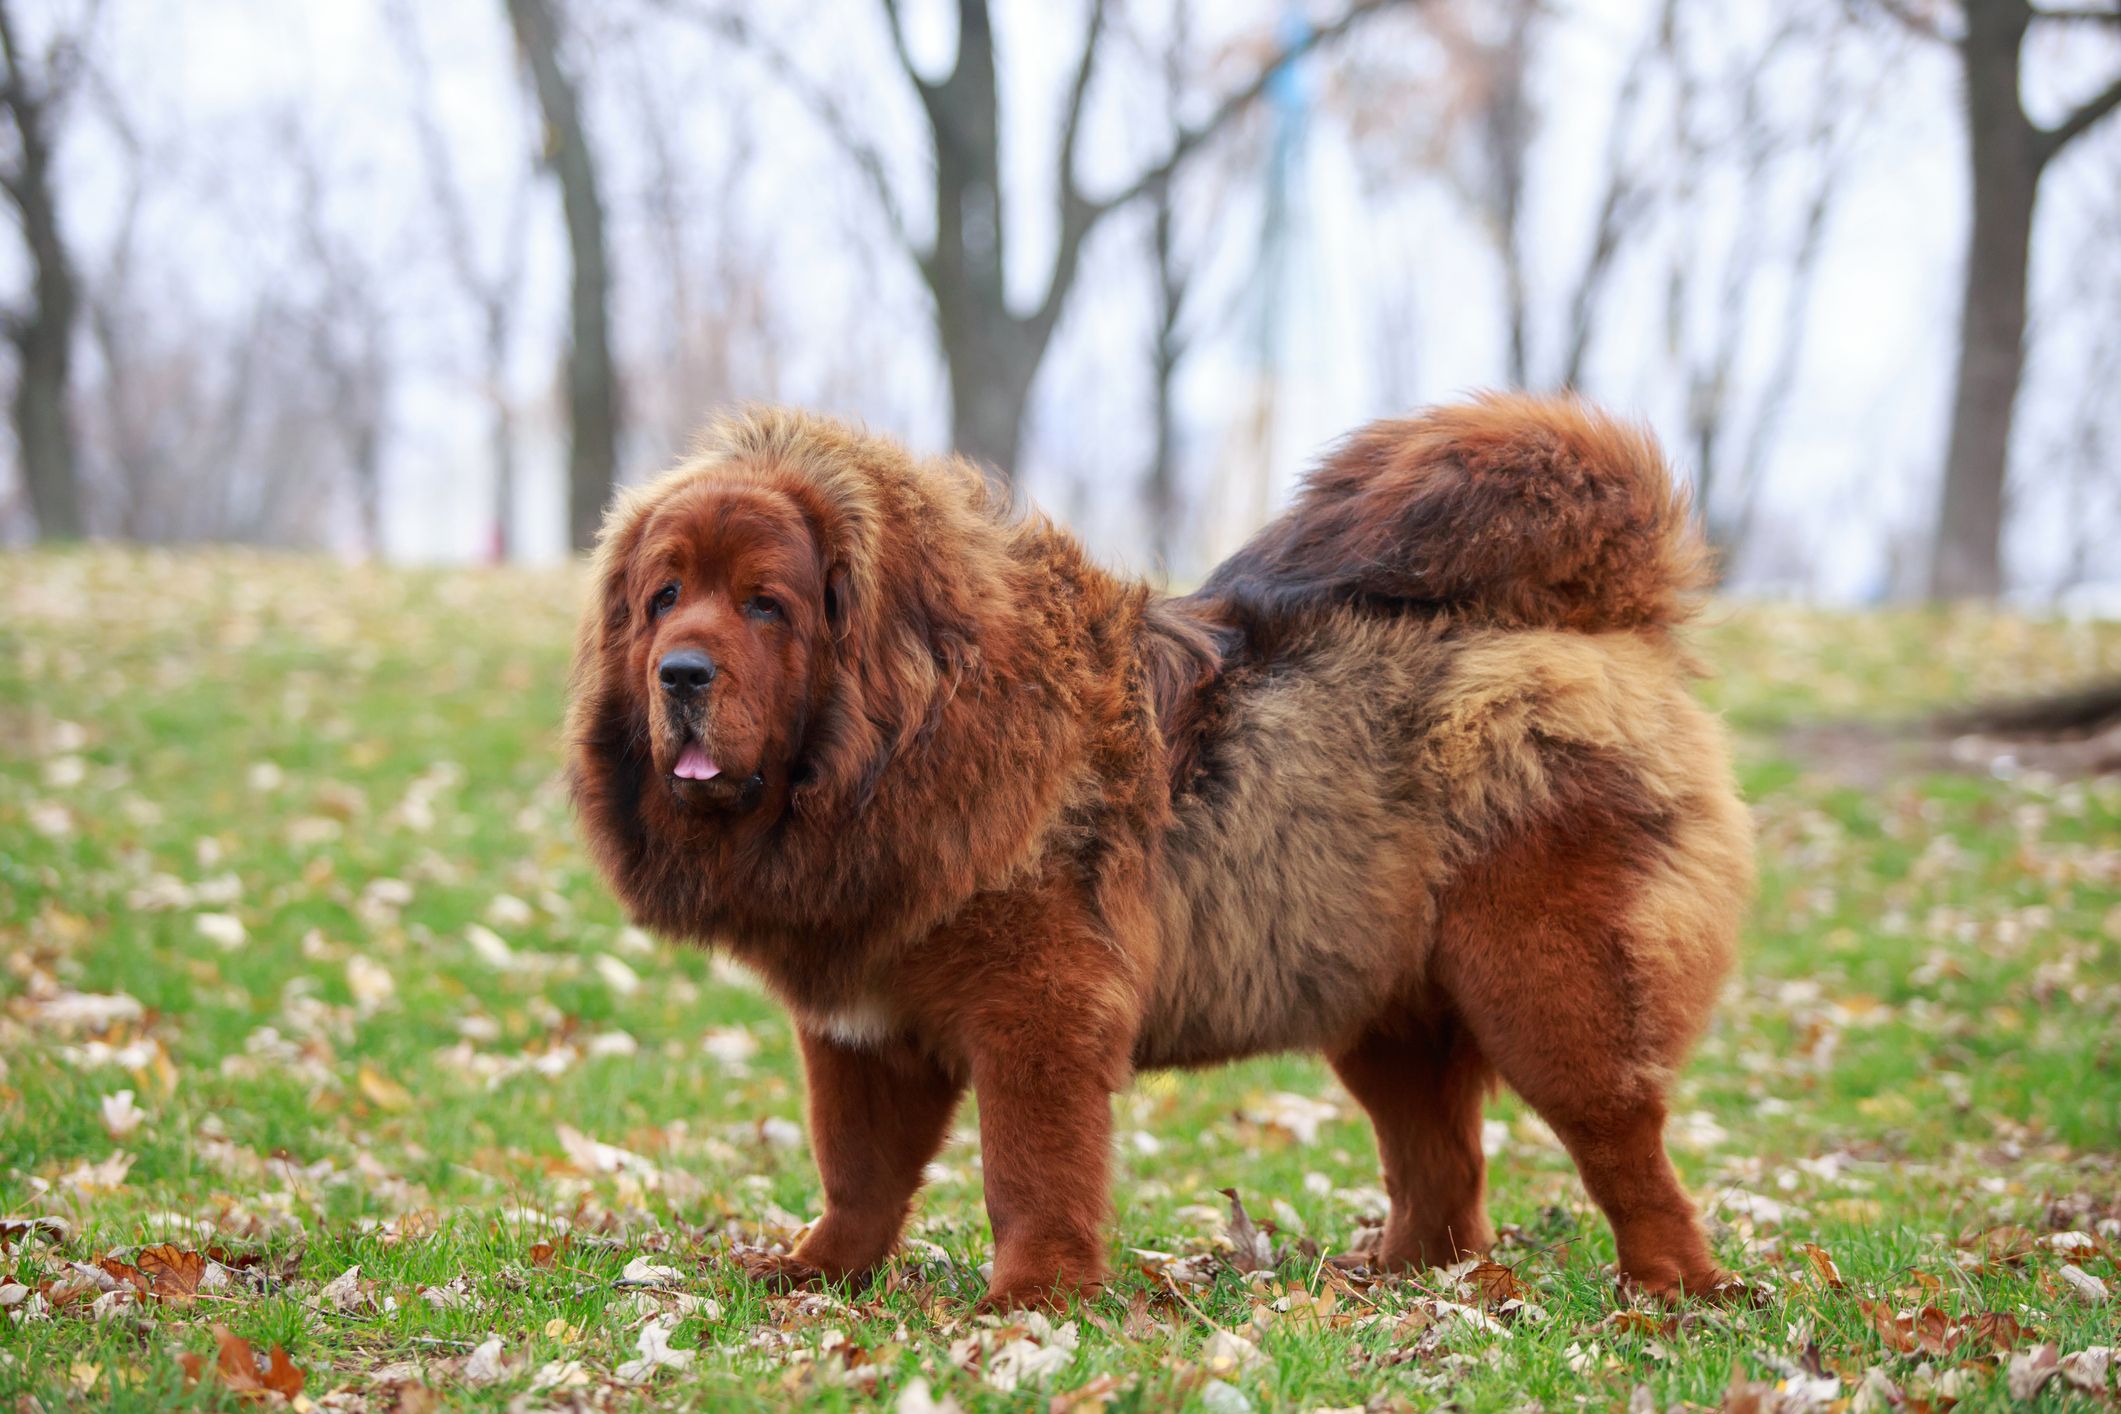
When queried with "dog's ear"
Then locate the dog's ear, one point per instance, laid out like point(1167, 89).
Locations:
point(609, 613)
point(836, 599)
point(601, 713)
point(895, 663)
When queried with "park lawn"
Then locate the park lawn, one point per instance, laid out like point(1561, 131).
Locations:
point(286, 863)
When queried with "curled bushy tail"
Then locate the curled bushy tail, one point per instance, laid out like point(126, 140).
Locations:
point(1509, 510)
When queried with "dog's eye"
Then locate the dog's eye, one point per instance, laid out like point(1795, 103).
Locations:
point(664, 599)
point(763, 606)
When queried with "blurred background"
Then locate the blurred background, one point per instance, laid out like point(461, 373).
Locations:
point(424, 281)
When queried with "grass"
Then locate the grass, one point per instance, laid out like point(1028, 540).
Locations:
point(306, 816)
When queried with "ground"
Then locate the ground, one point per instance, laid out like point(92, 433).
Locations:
point(317, 1032)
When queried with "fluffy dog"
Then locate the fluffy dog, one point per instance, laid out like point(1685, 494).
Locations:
point(1414, 781)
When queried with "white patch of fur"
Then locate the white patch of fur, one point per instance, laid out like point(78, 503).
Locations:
point(858, 1027)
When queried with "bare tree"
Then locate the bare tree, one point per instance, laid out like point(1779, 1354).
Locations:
point(592, 392)
point(207, 423)
point(2007, 155)
point(1172, 279)
point(492, 291)
point(991, 350)
point(708, 336)
point(1714, 295)
point(347, 329)
point(1482, 136)
point(34, 89)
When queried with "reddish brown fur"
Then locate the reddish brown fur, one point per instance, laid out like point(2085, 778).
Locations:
point(1414, 781)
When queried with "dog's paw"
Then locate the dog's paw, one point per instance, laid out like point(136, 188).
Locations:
point(781, 1272)
point(1034, 1297)
point(1670, 1288)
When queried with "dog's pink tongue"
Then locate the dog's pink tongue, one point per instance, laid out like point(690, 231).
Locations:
point(693, 764)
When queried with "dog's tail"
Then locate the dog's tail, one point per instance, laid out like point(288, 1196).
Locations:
point(1509, 511)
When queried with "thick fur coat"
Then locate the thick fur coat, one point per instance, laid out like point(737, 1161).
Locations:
point(1414, 781)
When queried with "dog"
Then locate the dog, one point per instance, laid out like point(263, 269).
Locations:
point(1414, 781)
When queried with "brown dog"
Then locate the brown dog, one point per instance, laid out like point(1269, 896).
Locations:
point(1414, 781)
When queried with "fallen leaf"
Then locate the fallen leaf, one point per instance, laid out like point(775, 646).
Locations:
point(223, 930)
point(2086, 1369)
point(381, 1091)
point(1933, 1331)
point(1823, 1267)
point(120, 1115)
point(656, 1353)
point(173, 1274)
point(2083, 1285)
point(1494, 1284)
point(642, 1272)
point(486, 1363)
point(1898, 1331)
point(343, 1292)
point(917, 1398)
point(238, 1367)
point(1226, 1353)
point(2032, 1370)
point(1998, 1330)
point(1250, 1251)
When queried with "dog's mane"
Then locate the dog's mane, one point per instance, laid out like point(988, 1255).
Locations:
point(960, 631)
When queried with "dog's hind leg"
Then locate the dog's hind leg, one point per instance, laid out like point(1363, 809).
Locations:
point(1584, 955)
point(1423, 1086)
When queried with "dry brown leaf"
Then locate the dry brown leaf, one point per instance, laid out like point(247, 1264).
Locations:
point(1493, 1284)
point(173, 1273)
point(125, 1272)
point(1823, 1267)
point(2006, 1246)
point(1998, 1330)
point(236, 1365)
point(1933, 1330)
point(1898, 1332)
point(1250, 1249)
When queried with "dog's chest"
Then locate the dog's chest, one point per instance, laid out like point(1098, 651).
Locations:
point(859, 1026)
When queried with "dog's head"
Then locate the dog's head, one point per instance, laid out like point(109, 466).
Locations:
point(760, 637)
point(726, 604)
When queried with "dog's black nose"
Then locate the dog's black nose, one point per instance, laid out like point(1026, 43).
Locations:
point(685, 672)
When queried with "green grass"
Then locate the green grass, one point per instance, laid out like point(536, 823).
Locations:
point(359, 766)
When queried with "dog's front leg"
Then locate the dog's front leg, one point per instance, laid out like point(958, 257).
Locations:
point(1045, 1121)
point(877, 1116)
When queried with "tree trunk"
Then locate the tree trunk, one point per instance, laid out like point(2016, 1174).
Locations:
point(42, 425)
point(990, 389)
point(44, 335)
point(990, 356)
point(592, 402)
point(1161, 492)
point(2005, 168)
point(501, 433)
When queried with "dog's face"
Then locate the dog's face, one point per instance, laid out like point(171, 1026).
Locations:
point(727, 599)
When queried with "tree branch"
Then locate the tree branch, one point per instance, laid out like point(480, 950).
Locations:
point(1072, 123)
point(2053, 140)
point(905, 56)
point(1237, 102)
point(2078, 14)
point(1915, 16)
point(868, 160)
point(1077, 223)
